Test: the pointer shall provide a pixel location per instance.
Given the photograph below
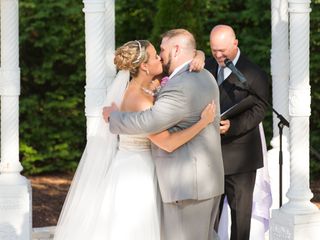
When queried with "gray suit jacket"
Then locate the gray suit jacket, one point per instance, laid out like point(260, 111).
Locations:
point(195, 170)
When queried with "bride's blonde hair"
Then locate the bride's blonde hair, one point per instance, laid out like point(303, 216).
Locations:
point(130, 56)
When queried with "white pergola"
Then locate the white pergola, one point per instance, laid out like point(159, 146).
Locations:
point(298, 218)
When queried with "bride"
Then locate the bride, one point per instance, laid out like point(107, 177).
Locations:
point(114, 194)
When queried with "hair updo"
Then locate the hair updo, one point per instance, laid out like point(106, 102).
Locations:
point(130, 56)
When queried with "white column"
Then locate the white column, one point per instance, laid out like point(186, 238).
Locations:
point(15, 190)
point(99, 38)
point(110, 40)
point(299, 193)
point(299, 218)
point(280, 86)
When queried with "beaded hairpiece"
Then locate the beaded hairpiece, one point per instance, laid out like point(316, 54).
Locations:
point(140, 52)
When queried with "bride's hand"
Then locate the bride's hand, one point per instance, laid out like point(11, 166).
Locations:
point(197, 63)
point(208, 114)
point(108, 110)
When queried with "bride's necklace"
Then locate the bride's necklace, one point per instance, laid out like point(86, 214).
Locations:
point(148, 91)
point(144, 89)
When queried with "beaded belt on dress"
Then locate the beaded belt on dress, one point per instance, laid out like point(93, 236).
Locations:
point(134, 143)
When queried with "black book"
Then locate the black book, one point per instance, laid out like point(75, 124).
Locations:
point(238, 108)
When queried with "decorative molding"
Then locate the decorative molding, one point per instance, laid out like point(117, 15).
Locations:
point(7, 232)
point(9, 166)
point(9, 204)
point(93, 6)
point(15, 207)
point(279, 232)
point(285, 226)
point(299, 6)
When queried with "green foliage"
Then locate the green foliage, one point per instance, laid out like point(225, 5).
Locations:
point(186, 14)
point(315, 87)
point(134, 20)
point(52, 123)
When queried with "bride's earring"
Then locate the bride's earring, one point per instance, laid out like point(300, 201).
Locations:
point(147, 71)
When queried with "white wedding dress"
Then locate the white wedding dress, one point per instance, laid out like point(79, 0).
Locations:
point(130, 210)
point(114, 193)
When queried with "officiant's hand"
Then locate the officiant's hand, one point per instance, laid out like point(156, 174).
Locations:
point(224, 126)
point(108, 110)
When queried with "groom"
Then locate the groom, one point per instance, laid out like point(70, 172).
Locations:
point(190, 178)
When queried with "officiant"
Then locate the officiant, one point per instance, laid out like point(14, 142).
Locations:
point(240, 136)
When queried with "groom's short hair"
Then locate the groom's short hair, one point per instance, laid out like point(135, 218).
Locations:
point(191, 42)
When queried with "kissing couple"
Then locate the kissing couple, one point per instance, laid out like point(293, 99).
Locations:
point(162, 178)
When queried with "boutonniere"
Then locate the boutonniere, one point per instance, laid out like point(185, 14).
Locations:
point(158, 84)
point(164, 81)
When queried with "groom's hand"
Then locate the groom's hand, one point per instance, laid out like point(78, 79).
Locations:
point(108, 110)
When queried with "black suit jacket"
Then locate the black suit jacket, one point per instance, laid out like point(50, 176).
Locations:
point(241, 145)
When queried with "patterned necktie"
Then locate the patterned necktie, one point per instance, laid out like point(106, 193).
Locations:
point(220, 77)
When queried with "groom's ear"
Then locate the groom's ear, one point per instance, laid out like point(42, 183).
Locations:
point(175, 50)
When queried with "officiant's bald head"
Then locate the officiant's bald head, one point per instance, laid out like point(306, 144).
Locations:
point(223, 43)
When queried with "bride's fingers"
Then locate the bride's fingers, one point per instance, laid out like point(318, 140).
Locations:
point(214, 108)
point(212, 111)
point(114, 106)
point(208, 113)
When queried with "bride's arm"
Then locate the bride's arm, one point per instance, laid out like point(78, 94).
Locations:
point(171, 141)
point(197, 63)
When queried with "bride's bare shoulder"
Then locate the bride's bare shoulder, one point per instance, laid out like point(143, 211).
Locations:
point(135, 101)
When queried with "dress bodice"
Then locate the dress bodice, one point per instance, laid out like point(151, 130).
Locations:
point(134, 142)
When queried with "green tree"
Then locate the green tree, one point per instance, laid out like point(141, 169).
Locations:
point(134, 19)
point(315, 88)
point(52, 126)
point(186, 14)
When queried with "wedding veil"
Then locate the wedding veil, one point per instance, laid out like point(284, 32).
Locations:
point(84, 200)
